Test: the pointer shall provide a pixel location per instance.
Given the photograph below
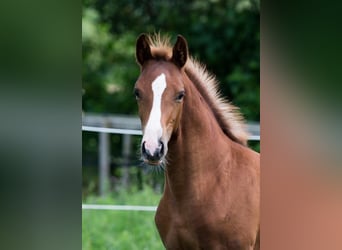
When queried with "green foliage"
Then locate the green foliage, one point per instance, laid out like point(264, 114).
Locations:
point(108, 66)
point(102, 229)
point(255, 145)
point(222, 34)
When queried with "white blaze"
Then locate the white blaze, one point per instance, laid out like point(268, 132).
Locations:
point(153, 130)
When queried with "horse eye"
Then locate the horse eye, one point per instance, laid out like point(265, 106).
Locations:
point(137, 94)
point(180, 96)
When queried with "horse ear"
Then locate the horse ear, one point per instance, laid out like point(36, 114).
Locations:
point(180, 52)
point(143, 50)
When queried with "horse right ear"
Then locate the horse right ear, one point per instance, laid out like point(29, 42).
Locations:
point(180, 51)
point(143, 50)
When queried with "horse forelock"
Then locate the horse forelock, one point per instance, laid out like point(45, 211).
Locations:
point(161, 47)
point(228, 116)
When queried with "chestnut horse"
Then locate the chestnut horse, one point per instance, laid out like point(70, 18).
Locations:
point(212, 179)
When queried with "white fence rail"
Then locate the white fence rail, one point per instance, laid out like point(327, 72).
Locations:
point(136, 132)
point(112, 130)
point(119, 207)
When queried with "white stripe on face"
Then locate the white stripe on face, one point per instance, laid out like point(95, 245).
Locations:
point(153, 130)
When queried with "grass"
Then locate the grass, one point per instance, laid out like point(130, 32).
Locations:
point(106, 230)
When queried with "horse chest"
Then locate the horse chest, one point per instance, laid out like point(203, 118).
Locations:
point(193, 229)
point(205, 236)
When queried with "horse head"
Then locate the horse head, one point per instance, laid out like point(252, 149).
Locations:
point(160, 93)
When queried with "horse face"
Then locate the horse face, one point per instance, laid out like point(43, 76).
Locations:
point(159, 92)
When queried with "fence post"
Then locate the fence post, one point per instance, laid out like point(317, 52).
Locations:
point(104, 152)
point(126, 153)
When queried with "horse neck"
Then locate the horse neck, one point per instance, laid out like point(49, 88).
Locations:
point(197, 148)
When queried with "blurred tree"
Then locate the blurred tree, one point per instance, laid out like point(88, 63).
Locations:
point(223, 34)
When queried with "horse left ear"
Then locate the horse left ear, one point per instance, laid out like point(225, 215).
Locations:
point(143, 50)
point(180, 52)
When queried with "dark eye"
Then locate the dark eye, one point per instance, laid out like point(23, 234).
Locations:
point(180, 96)
point(137, 94)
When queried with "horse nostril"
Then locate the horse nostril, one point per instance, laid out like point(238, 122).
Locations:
point(143, 149)
point(161, 148)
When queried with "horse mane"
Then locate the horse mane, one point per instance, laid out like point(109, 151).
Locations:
point(227, 115)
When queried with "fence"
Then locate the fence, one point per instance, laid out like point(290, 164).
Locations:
point(127, 126)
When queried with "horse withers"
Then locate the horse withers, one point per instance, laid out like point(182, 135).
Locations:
point(211, 198)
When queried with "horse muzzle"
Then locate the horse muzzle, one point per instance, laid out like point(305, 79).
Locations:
point(153, 155)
